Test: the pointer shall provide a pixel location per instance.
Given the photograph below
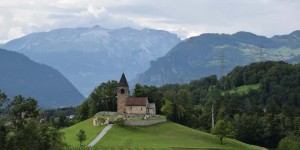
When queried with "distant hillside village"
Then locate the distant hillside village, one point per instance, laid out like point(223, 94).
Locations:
point(132, 110)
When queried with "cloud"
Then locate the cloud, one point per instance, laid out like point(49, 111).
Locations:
point(15, 32)
point(185, 18)
point(16, 21)
point(90, 16)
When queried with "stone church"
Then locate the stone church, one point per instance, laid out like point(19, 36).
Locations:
point(132, 105)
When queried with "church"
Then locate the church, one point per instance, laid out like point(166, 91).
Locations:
point(132, 105)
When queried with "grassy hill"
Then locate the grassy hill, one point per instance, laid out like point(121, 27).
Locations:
point(90, 131)
point(167, 135)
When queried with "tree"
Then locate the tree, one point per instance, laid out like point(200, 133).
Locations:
point(50, 138)
point(177, 106)
point(25, 132)
point(167, 109)
point(3, 134)
point(169, 104)
point(83, 111)
point(153, 94)
point(212, 97)
point(3, 99)
point(81, 136)
point(103, 98)
point(223, 129)
point(290, 142)
point(3, 130)
point(19, 109)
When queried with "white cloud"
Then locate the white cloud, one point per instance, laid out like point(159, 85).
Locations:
point(186, 18)
point(15, 32)
point(90, 16)
point(97, 11)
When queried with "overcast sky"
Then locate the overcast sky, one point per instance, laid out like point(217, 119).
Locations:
point(184, 17)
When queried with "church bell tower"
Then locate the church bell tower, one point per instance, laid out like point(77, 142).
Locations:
point(122, 94)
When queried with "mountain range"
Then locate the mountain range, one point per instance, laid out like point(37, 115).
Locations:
point(89, 56)
point(22, 76)
point(217, 54)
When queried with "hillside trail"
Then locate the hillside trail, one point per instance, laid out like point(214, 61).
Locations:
point(100, 136)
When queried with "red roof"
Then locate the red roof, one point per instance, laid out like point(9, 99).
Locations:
point(136, 101)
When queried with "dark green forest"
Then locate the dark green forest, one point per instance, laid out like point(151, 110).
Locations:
point(268, 116)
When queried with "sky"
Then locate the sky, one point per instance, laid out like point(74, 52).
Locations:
point(185, 18)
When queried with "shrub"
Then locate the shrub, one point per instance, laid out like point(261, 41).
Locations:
point(120, 121)
point(101, 119)
point(290, 142)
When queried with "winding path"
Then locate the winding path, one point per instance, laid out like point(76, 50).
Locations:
point(100, 136)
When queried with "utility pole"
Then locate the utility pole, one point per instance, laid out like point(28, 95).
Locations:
point(222, 62)
point(260, 53)
point(212, 117)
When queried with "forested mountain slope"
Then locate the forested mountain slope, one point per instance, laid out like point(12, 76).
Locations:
point(20, 75)
point(217, 54)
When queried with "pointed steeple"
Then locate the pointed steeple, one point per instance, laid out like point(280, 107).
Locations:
point(123, 81)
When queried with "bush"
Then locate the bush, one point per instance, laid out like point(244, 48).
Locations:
point(120, 121)
point(101, 119)
point(290, 142)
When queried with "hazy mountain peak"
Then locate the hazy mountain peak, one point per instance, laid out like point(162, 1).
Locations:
point(97, 27)
point(295, 34)
point(89, 56)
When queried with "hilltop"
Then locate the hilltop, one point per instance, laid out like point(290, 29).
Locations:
point(167, 135)
point(253, 100)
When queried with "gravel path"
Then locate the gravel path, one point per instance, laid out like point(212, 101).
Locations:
point(100, 136)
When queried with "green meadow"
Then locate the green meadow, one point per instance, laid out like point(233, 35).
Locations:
point(244, 89)
point(166, 135)
point(90, 131)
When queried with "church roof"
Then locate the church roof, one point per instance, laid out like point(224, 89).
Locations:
point(136, 101)
point(123, 81)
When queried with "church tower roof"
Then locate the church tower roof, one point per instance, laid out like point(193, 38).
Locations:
point(123, 81)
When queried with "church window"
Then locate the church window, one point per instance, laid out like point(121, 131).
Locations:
point(122, 91)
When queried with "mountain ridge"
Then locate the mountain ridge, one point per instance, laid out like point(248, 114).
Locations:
point(202, 55)
point(89, 56)
point(22, 76)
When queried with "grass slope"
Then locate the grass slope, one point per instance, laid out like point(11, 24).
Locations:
point(244, 89)
point(165, 136)
point(90, 131)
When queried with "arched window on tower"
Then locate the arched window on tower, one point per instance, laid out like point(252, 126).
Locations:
point(122, 91)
